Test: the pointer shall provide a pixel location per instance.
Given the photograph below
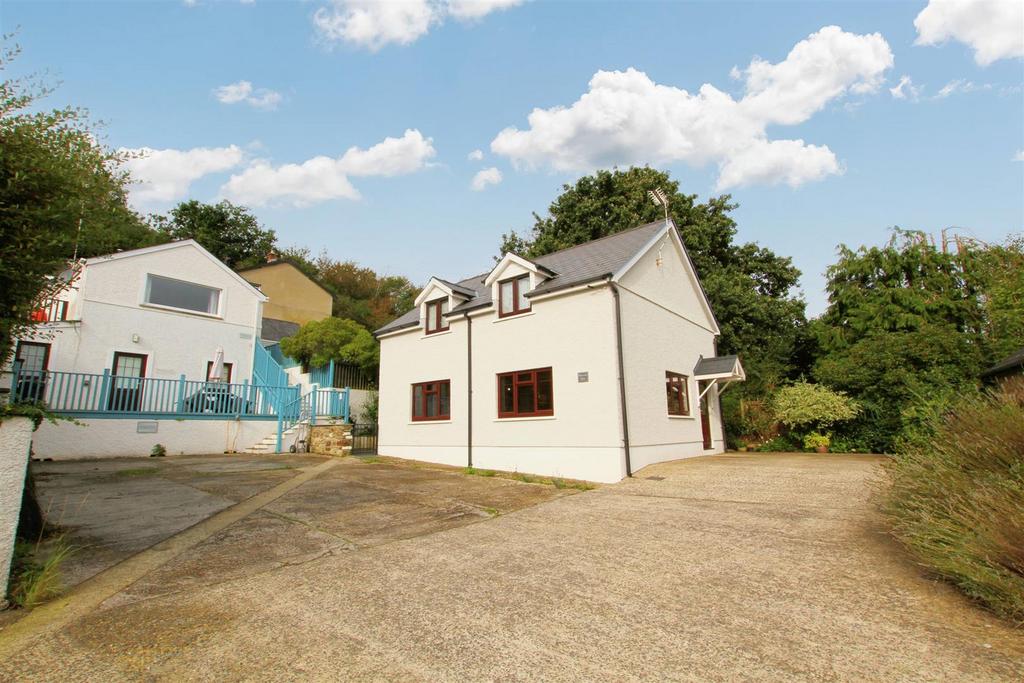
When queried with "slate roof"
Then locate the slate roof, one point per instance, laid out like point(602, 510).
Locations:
point(582, 264)
point(275, 330)
point(1013, 361)
point(719, 365)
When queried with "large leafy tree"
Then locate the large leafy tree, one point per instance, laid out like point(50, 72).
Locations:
point(228, 231)
point(911, 322)
point(62, 193)
point(751, 289)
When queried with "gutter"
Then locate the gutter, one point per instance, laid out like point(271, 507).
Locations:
point(469, 389)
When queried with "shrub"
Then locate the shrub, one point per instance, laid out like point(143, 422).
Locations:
point(802, 406)
point(814, 440)
point(158, 451)
point(35, 580)
point(780, 444)
point(956, 500)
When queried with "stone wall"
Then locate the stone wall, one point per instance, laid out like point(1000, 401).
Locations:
point(330, 439)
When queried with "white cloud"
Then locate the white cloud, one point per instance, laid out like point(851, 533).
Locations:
point(476, 155)
point(906, 90)
point(372, 24)
point(243, 91)
point(994, 29)
point(488, 176)
point(1019, 156)
point(960, 85)
point(626, 118)
point(324, 178)
point(469, 10)
point(165, 175)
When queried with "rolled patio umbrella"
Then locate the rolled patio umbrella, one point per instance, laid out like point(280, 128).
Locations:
point(217, 367)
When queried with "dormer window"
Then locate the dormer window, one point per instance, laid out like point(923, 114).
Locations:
point(512, 296)
point(436, 316)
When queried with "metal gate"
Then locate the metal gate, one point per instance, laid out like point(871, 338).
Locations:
point(364, 438)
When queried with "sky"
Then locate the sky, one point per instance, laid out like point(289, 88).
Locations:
point(408, 136)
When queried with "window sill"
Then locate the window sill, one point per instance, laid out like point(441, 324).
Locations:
point(185, 311)
point(439, 333)
point(430, 422)
point(514, 316)
point(524, 419)
point(682, 417)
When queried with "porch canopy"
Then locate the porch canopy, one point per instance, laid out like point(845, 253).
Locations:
point(723, 370)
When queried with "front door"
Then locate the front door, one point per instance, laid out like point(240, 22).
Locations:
point(34, 359)
point(705, 416)
point(127, 380)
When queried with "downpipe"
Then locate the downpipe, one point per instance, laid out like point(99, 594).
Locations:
point(622, 377)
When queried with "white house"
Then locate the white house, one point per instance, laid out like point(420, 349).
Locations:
point(157, 313)
point(588, 363)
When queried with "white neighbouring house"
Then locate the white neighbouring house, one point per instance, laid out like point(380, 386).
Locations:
point(587, 363)
point(155, 313)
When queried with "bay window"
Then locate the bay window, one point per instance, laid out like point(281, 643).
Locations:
point(431, 401)
point(526, 393)
point(512, 296)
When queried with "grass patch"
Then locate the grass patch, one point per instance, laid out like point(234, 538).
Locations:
point(35, 573)
point(493, 512)
point(137, 472)
point(956, 499)
point(369, 458)
point(530, 479)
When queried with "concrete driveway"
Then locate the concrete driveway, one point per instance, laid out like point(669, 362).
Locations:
point(713, 569)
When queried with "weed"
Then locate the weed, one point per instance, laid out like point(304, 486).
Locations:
point(137, 472)
point(36, 580)
point(159, 451)
point(493, 512)
point(370, 459)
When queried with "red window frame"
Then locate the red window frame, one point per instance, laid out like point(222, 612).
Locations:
point(503, 310)
point(228, 368)
point(519, 379)
point(440, 320)
point(679, 386)
point(424, 393)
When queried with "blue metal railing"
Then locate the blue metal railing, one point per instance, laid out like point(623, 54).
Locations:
point(266, 370)
point(106, 395)
point(323, 375)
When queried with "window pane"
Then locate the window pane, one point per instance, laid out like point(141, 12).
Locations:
point(446, 399)
point(505, 394)
point(673, 398)
point(431, 405)
point(444, 310)
point(525, 394)
point(544, 395)
point(191, 297)
point(417, 401)
point(524, 286)
point(506, 297)
point(684, 398)
point(431, 318)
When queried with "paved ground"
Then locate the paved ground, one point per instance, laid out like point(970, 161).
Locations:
point(740, 567)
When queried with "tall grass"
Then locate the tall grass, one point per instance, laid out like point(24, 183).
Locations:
point(957, 498)
point(36, 574)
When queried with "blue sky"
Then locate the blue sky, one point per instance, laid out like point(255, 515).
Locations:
point(443, 80)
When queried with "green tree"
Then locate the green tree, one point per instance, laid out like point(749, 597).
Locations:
point(911, 322)
point(319, 342)
point(229, 232)
point(750, 288)
point(59, 189)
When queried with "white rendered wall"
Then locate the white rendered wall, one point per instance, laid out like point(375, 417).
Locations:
point(572, 333)
point(110, 305)
point(15, 437)
point(664, 328)
point(102, 438)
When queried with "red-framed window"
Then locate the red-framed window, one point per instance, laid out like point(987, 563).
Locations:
point(678, 393)
point(432, 400)
point(436, 316)
point(512, 296)
point(526, 393)
point(225, 376)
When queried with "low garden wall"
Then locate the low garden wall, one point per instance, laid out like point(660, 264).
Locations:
point(330, 439)
point(15, 439)
point(119, 438)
